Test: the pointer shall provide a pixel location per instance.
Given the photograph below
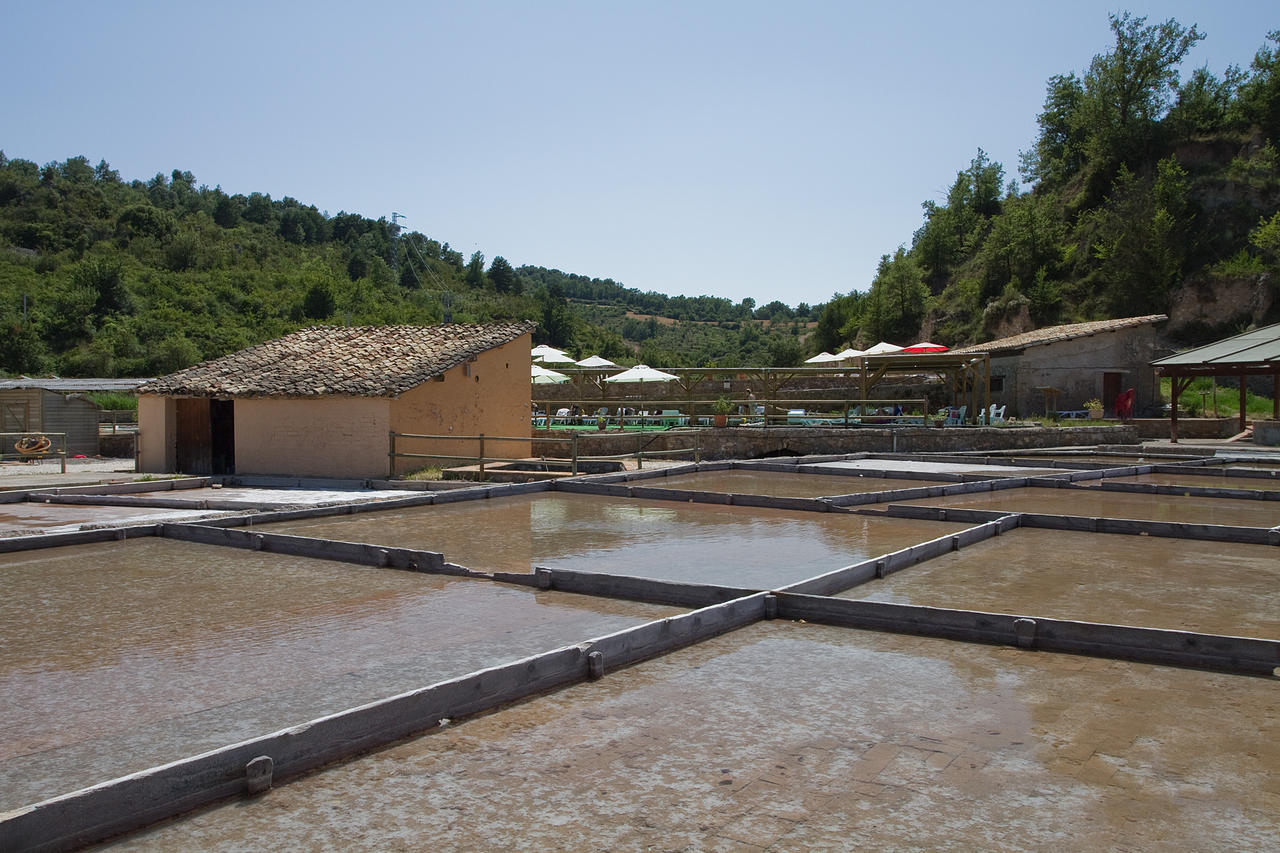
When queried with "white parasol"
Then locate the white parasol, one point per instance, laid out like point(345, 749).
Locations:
point(543, 376)
point(641, 373)
point(596, 361)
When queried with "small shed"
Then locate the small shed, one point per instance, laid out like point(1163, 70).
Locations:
point(1073, 363)
point(55, 405)
point(1254, 353)
point(324, 401)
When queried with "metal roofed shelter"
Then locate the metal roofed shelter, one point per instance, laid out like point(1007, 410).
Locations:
point(1255, 353)
point(55, 405)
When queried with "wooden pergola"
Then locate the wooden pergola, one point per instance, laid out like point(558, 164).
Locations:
point(1255, 353)
point(967, 375)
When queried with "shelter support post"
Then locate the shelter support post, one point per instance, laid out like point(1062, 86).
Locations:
point(1177, 384)
point(1244, 414)
point(1275, 397)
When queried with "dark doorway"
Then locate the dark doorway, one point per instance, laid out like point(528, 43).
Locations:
point(223, 436)
point(1110, 390)
point(195, 449)
point(206, 436)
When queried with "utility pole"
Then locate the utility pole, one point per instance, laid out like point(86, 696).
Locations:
point(395, 237)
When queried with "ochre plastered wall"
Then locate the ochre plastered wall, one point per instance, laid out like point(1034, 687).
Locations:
point(157, 434)
point(342, 437)
point(489, 395)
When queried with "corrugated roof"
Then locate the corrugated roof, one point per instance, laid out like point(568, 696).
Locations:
point(1259, 347)
point(1054, 334)
point(72, 386)
point(368, 361)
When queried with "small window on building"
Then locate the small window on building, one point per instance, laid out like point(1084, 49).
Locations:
point(997, 383)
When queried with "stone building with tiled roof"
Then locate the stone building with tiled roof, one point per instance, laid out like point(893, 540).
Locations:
point(324, 401)
point(1058, 368)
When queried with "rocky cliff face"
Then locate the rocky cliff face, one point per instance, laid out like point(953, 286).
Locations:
point(1208, 306)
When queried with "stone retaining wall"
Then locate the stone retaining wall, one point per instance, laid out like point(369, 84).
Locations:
point(756, 443)
point(1187, 427)
point(1266, 432)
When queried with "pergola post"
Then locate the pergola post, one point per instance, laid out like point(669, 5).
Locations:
point(1244, 387)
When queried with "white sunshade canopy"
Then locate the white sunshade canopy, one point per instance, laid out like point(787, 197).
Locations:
point(883, 348)
point(554, 358)
point(545, 349)
point(596, 361)
point(849, 353)
point(822, 358)
point(543, 376)
point(641, 373)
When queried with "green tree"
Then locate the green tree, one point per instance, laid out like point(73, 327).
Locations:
point(1202, 103)
point(503, 277)
point(1139, 238)
point(104, 278)
point(1127, 90)
point(1258, 99)
point(557, 320)
point(474, 275)
point(319, 303)
point(898, 298)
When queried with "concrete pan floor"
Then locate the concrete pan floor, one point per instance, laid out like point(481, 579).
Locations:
point(1147, 581)
point(124, 655)
point(28, 518)
point(788, 737)
point(748, 547)
point(783, 484)
point(1240, 512)
point(927, 467)
point(1096, 460)
point(1198, 477)
point(252, 496)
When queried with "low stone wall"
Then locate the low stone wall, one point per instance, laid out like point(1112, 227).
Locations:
point(1187, 427)
point(756, 443)
point(1266, 432)
point(118, 446)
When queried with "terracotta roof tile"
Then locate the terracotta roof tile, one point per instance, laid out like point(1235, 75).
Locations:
point(365, 361)
point(1053, 334)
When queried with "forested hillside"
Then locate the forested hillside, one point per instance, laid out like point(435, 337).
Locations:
point(1143, 193)
point(100, 276)
point(1146, 194)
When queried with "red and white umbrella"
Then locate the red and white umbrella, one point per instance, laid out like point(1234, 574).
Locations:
point(925, 346)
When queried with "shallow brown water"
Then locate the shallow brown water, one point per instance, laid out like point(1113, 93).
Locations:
point(783, 484)
point(1095, 502)
point(1211, 587)
point(786, 737)
point(121, 656)
point(704, 543)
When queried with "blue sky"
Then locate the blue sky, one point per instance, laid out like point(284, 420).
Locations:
point(770, 150)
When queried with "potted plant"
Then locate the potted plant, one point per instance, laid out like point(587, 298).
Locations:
point(722, 408)
point(1095, 409)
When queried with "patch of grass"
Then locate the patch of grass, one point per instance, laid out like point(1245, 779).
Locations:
point(430, 473)
point(1198, 399)
point(112, 401)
